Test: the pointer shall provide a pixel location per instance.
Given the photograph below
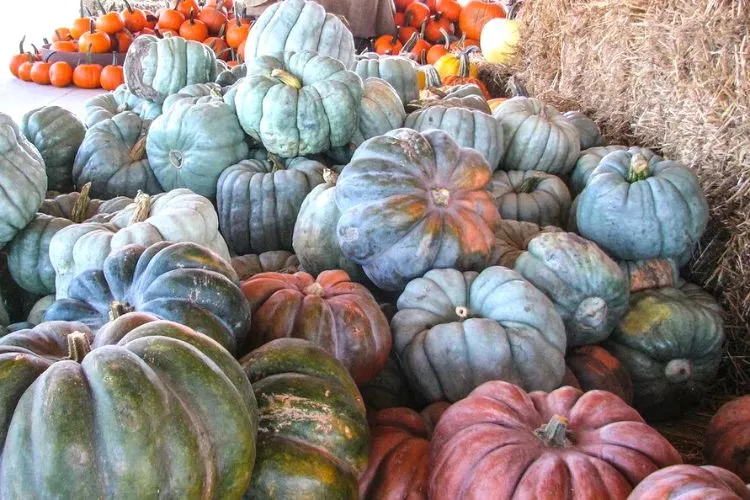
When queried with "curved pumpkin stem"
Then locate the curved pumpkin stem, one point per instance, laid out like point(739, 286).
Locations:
point(553, 433)
point(138, 151)
point(410, 43)
point(277, 164)
point(638, 169)
point(81, 206)
point(287, 78)
point(78, 346)
point(117, 309)
point(142, 208)
point(529, 184)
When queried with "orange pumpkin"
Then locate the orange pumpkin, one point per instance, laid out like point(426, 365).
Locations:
point(62, 34)
point(435, 27)
point(24, 71)
point(417, 46)
point(96, 42)
point(214, 18)
point(416, 14)
point(135, 19)
point(87, 75)
point(185, 7)
point(237, 33)
point(110, 23)
point(399, 19)
point(438, 50)
point(80, 26)
point(219, 46)
point(121, 41)
point(463, 77)
point(151, 21)
point(170, 19)
point(387, 44)
point(450, 9)
point(20, 58)
point(401, 5)
point(40, 71)
point(61, 74)
point(476, 14)
point(112, 75)
point(405, 33)
point(431, 4)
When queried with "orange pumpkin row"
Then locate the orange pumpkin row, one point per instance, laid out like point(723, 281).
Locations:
point(469, 15)
point(62, 74)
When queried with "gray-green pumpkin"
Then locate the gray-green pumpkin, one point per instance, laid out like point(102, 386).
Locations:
point(229, 77)
point(588, 161)
point(23, 180)
point(195, 94)
point(637, 208)
point(113, 158)
point(400, 72)
point(671, 343)
point(588, 130)
point(190, 145)
point(512, 239)
point(258, 202)
point(458, 96)
point(105, 106)
point(57, 134)
point(531, 196)
point(537, 137)
point(587, 287)
point(274, 261)
point(155, 67)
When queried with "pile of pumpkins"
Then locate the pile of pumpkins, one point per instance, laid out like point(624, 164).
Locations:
point(273, 281)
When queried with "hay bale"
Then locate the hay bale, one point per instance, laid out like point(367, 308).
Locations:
point(673, 75)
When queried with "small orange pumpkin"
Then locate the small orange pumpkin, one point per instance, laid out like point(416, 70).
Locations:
point(416, 14)
point(450, 9)
point(170, 19)
point(387, 44)
point(96, 42)
point(135, 19)
point(112, 75)
point(477, 13)
point(237, 32)
point(24, 71)
point(40, 71)
point(194, 29)
point(20, 58)
point(61, 74)
point(62, 34)
point(214, 18)
point(87, 75)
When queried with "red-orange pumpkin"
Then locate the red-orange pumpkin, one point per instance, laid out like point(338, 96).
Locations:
point(691, 482)
point(728, 440)
point(476, 14)
point(593, 367)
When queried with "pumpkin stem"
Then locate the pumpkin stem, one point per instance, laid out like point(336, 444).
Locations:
point(638, 170)
point(287, 78)
point(431, 78)
point(591, 313)
point(330, 176)
point(138, 150)
point(81, 206)
point(277, 164)
point(463, 313)
point(440, 197)
point(678, 370)
point(314, 289)
point(553, 432)
point(20, 45)
point(117, 309)
point(529, 184)
point(142, 208)
point(410, 43)
point(175, 158)
point(446, 37)
point(78, 346)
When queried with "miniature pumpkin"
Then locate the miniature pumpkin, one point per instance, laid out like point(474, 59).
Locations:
point(690, 481)
point(112, 75)
point(61, 74)
point(88, 75)
point(21, 57)
point(594, 368)
point(728, 437)
point(531, 196)
point(398, 71)
point(276, 261)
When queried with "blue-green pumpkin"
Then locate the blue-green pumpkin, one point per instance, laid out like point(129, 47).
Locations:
point(588, 130)
point(229, 77)
point(531, 196)
point(194, 94)
point(589, 160)
point(106, 106)
point(400, 72)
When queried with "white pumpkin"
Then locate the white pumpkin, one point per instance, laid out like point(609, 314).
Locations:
point(500, 40)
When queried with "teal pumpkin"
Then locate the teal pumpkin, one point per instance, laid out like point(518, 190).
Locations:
point(105, 106)
point(651, 273)
point(588, 130)
point(531, 196)
point(512, 239)
point(229, 77)
point(275, 261)
point(637, 208)
point(399, 72)
point(195, 94)
point(190, 145)
point(587, 287)
point(588, 161)
point(671, 343)
point(57, 134)
point(467, 95)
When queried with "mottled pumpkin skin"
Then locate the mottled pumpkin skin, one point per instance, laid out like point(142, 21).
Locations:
point(662, 215)
point(258, 202)
point(454, 331)
point(281, 261)
point(543, 200)
point(596, 369)
point(587, 162)
point(587, 288)
point(195, 94)
point(335, 314)
point(299, 25)
point(728, 437)
point(313, 438)
point(670, 341)
point(588, 130)
point(685, 482)
point(512, 239)
point(651, 273)
point(399, 72)
point(181, 282)
point(537, 137)
point(157, 408)
point(492, 445)
point(57, 134)
point(412, 202)
point(105, 106)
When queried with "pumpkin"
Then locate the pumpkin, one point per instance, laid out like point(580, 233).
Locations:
point(454, 331)
point(281, 261)
point(315, 103)
point(505, 443)
point(464, 76)
point(23, 180)
point(157, 67)
point(61, 74)
point(537, 137)
point(195, 94)
point(438, 214)
point(652, 273)
point(680, 482)
point(334, 313)
point(112, 157)
point(588, 130)
point(512, 239)
point(134, 19)
point(670, 341)
point(190, 145)
point(416, 14)
point(389, 388)
point(112, 76)
point(300, 25)
point(727, 438)
point(156, 392)
point(258, 201)
point(587, 288)
point(398, 71)
point(57, 134)
point(21, 57)
point(231, 76)
point(94, 41)
point(531, 196)
point(637, 208)
point(313, 439)
point(106, 106)
point(475, 14)
point(500, 40)
point(594, 368)
point(467, 96)
point(588, 161)
point(469, 127)
point(193, 29)
point(450, 64)
point(387, 45)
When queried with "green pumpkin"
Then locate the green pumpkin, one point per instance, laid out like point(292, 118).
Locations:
point(412, 202)
point(57, 134)
point(258, 202)
point(399, 72)
point(155, 67)
point(537, 137)
point(637, 208)
point(671, 343)
point(190, 145)
point(588, 161)
point(587, 288)
point(195, 94)
point(454, 331)
point(313, 438)
point(229, 77)
point(106, 106)
point(157, 408)
point(531, 196)
point(275, 261)
point(298, 105)
point(588, 130)
point(113, 158)
point(23, 180)
point(512, 239)
point(300, 25)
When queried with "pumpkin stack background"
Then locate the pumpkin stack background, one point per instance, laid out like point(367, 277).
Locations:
point(324, 274)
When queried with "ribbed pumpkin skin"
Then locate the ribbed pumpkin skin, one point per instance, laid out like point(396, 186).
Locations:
point(157, 67)
point(651, 273)
point(537, 137)
point(545, 203)
point(299, 25)
point(57, 134)
point(195, 94)
point(411, 202)
point(229, 77)
point(587, 162)
point(247, 266)
point(313, 438)
point(596, 369)
point(587, 288)
point(106, 106)
point(162, 408)
point(258, 202)
point(180, 282)
point(399, 72)
point(728, 437)
point(670, 341)
point(512, 239)
point(454, 331)
point(23, 180)
point(468, 127)
point(588, 130)
point(686, 482)
point(113, 159)
point(389, 388)
point(485, 446)
point(661, 216)
point(335, 314)
point(191, 145)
